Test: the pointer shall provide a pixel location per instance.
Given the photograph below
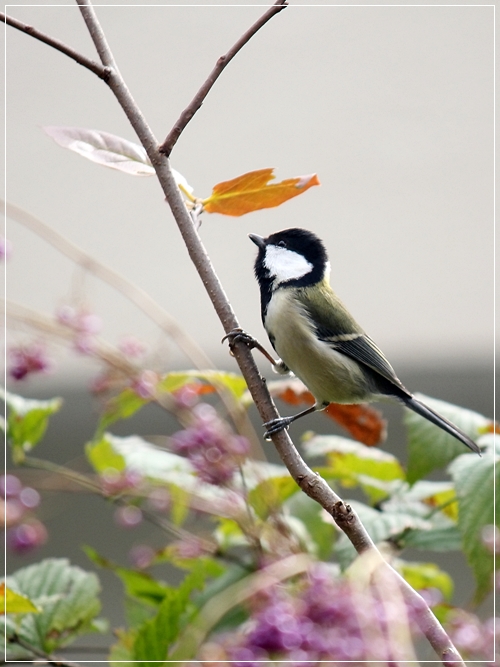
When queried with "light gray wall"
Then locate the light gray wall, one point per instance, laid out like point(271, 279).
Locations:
point(392, 106)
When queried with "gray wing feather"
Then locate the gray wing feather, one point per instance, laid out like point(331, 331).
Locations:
point(361, 348)
point(335, 326)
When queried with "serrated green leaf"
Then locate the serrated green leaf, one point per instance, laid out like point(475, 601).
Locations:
point(102, 456)
point(68, 597)
point(429, 446)
point(439, 532)
point(446, 538)
point(122, 406)
point(475, 481)
point(426, 575)
point(438, 495)
point(27, 422)
point(355, 464)
point(381, 525)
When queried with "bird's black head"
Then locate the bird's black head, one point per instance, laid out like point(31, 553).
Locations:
point(292, 257)
point(289, 258)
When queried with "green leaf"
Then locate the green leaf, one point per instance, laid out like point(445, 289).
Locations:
point(167, 467)
point(232, 382)
point(429, 446)
point(381, 525)
point(446, 538)
point(68, 597)
point(102, 456)
point(139, 585)
point(229, 535)
point(122, 406)
point(438, 495)
point(426, 575)
point(156, 635)
point(122, 651)
point(439, 531)
point(355, 464)
point(270, 494)
point(318, 522)
point(15, 603)
point(475, 481)
point(27, 422)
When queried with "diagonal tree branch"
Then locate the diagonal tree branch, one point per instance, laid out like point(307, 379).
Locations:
point(222, 62)
point(92, 65)
point(311, 483)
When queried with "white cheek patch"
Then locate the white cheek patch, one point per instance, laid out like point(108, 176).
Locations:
point(285, 264)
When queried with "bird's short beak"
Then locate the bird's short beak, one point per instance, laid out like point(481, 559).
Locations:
point(258, 240)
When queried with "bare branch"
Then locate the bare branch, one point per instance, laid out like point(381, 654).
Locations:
point(92, 65)
point(222, 62)
point(97, 35)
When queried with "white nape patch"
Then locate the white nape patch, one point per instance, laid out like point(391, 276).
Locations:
point(285, 264)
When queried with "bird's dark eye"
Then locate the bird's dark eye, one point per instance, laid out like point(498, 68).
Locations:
point(282, 244)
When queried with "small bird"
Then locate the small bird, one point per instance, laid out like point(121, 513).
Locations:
point(316, 337)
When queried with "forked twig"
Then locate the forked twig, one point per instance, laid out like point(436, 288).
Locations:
point(222, 62)
point(92, 65)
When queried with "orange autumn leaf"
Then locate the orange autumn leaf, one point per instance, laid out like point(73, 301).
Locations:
point(363, 422)
point(252, 192)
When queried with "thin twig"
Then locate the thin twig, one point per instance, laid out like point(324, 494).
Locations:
point(92, 65)
point(90, 485)
point(50, 660)
point(100, 348)
point(222, 62)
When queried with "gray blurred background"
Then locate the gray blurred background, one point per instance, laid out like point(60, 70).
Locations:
point(392, 107)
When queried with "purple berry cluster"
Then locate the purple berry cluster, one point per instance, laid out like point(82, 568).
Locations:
point(322, 618)
point(214, 451)
point(28, 359)
point(24, 531)
point(475, 640)
point(115, 482)
point(84, 324)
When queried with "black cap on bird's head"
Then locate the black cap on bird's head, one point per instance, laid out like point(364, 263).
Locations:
point(292, 257)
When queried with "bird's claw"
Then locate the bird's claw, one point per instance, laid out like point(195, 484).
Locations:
point(275, 426)
point(241, 336)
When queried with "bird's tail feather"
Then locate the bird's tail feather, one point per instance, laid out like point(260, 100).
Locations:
point(426, 412)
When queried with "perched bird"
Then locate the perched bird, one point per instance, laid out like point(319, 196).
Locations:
point(315, 335)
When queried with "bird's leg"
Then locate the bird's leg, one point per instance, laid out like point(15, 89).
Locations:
point(240, 336)
point(282, 423)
